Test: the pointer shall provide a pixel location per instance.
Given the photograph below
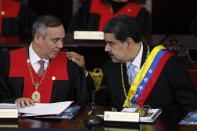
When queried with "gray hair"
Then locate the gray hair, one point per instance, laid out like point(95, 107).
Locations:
point(43, 22)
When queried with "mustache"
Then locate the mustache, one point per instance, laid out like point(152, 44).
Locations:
point(109, 53)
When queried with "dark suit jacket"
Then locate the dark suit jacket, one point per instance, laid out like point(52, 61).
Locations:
point(173, 89)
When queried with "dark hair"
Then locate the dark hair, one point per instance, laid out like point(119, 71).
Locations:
point(43, 22)
point(123, 27)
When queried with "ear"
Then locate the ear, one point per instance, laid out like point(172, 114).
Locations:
point(130, 43)
point(37, 37)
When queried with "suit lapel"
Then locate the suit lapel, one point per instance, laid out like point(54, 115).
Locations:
point(144, 54)
point(115, 85)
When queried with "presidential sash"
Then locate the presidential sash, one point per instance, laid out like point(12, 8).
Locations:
point(147, 76)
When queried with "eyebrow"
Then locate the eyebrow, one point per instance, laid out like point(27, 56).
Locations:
point(57, 38)
point(109, 41)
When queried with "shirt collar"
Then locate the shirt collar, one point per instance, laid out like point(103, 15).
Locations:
point(34, 58)
point(138, 58)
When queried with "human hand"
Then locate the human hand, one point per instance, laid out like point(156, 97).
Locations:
point(76, 58)
point(23, 102)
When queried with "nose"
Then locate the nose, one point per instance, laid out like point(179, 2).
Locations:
point(60, 43)
point(107, 47)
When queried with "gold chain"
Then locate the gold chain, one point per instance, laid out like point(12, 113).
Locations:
point(122, 79)
point(32, 78)
point(122, 74)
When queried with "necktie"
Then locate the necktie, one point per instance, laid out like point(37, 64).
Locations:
point(41, 69)
point(132, 73)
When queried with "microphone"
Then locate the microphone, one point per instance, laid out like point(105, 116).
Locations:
point(93, 105)
point(94, 120)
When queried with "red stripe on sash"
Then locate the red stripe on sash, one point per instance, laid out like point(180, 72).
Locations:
point(153, 79)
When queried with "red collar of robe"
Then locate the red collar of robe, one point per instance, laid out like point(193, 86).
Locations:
point(130, 9)
point(57, 70)
point(9, 9)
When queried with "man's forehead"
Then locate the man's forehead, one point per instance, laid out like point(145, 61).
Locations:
point(55, 29)
point(109, 36)
point(55, 32)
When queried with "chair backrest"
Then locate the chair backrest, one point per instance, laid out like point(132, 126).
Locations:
point(193, 74)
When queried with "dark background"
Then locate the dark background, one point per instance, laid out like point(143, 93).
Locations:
point(59, 8)
point(173, 16)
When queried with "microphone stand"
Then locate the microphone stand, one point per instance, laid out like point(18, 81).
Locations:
point(94, 120)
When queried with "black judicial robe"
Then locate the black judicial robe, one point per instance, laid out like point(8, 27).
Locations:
point(93, 14)
point(173, 89)
point(16, 20)
point(73, 89)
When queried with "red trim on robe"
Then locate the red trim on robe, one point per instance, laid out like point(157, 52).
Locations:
point(57, 68)
point(130, 9)
point(11, 9)
point(9, 39)
point(147, 90)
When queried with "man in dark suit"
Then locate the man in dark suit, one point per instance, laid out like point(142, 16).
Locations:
point(155, 79)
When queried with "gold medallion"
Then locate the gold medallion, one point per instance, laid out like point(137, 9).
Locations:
point(36, 96)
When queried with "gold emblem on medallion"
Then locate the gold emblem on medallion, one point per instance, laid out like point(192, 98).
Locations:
point(36, 96)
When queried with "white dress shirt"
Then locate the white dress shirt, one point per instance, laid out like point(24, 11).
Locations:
point(136, 62)
point(34, 58)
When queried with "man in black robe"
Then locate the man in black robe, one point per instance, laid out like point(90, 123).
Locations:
point(93, 14)
point(16, 21)
point(24, 80)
